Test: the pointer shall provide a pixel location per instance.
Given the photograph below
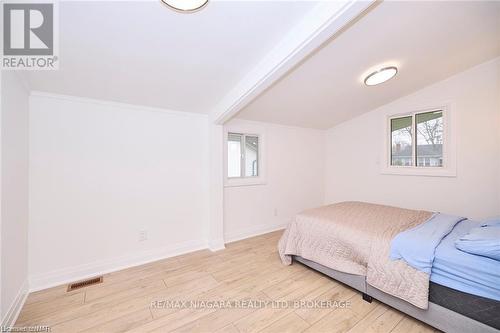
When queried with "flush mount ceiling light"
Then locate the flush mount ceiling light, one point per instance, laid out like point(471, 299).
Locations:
point(380, 76)
point(185, 6)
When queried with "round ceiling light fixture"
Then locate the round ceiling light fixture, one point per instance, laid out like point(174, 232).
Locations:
point(185, 6)
point(380, 76)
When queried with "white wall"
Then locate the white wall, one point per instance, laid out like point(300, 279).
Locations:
point(294, 172)
point(102, 172)
point(354, 150)
point(14, 195)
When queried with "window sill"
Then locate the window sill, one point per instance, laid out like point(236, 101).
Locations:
point(250, 181)
point(419, 171)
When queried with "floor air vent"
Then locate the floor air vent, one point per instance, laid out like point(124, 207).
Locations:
point(84, 283)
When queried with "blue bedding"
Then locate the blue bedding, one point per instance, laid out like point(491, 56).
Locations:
point(417, 245)
point(463, 271)
point(430, 247)
point(482, 241)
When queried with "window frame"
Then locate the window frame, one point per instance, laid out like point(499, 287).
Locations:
point(448, 151)
point(250, 129)
point(243, 155)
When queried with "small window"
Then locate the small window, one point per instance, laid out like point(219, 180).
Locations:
point(417, 140)
point(242, 155)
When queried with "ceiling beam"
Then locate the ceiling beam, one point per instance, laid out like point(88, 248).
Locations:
point(321, 23)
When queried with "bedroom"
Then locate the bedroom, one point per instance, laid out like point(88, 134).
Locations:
point(152, 158)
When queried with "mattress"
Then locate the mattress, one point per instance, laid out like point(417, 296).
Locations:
point(355, 237)
point(482, 309)
point(468, 273)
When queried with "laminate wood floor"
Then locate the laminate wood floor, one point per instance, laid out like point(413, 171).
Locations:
point(155, 298)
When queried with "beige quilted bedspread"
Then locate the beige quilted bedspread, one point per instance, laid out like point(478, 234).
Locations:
point(355, 238)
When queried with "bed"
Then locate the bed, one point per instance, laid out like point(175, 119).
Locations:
point(424, 275)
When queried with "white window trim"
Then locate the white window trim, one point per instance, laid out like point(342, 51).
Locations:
point(449, 145)
point(258, 131)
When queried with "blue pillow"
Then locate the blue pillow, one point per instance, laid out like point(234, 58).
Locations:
point(483, 241)
point(492, 221)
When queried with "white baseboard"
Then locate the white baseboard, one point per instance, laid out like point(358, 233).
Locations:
point(80, 272)
point(253, 231)
point(216, 245)
point(10, 317)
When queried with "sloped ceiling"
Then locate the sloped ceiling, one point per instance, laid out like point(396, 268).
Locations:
point(427, 40)
point(141, 52)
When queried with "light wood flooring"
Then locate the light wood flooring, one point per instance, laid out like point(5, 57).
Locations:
point(246, 270)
